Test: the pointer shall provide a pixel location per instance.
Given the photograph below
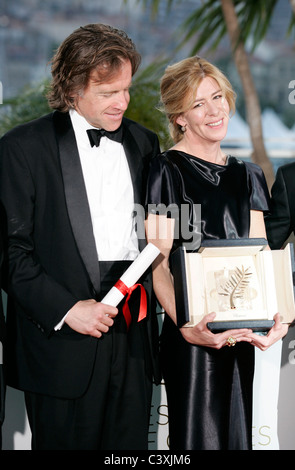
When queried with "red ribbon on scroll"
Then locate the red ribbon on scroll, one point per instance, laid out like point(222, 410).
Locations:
point(143, 301)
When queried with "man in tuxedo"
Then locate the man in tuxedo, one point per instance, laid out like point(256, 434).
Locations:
point(69, 193)
point(280, 224)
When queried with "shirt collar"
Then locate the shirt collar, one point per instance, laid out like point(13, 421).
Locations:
point(80, 126)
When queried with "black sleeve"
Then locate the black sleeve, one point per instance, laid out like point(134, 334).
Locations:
point(162, 195)
point(36, 292)
point(278, 222)
point(259, 195)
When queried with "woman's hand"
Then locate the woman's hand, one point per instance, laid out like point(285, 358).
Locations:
point(277, 332)
point(202, 336)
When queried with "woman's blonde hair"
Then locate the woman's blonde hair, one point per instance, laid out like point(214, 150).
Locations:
point(179, 86)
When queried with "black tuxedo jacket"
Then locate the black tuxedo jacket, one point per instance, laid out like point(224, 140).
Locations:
point(281, 222)
point(2, 333)
point(51, 251)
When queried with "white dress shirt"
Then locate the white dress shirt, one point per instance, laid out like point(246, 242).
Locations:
point(110, 194)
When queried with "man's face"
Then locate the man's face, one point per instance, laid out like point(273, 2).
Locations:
point(103, 104)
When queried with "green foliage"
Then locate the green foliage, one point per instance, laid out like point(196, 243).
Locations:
point(206, 25)
point(144, 104)
point(29, 104)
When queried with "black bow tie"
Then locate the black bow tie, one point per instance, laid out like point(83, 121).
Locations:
point(96, 134)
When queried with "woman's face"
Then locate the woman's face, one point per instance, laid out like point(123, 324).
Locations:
point(207, 120)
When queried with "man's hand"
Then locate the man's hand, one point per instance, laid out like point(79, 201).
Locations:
point(89, 317)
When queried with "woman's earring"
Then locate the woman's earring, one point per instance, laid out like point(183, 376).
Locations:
point(183, 129)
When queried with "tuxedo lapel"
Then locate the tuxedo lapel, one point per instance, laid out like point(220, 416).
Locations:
point(76, 196)
point(134, 158)
point(133, 153)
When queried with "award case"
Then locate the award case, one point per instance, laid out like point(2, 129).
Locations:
point(240, 280)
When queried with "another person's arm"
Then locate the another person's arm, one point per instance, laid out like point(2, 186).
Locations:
point(278, 222)
point(279, 330)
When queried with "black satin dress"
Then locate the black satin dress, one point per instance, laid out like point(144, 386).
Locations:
point(209, 391)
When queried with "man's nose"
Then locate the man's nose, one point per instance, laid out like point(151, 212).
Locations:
point(123, 99)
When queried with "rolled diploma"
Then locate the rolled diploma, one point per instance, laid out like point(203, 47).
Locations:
point(132, 274)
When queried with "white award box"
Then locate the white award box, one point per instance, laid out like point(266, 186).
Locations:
point(241, 281)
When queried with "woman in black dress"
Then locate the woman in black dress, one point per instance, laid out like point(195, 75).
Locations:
point(208, 383)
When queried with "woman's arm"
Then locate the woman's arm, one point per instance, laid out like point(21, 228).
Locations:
point(257, 226)
point(160, 230)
